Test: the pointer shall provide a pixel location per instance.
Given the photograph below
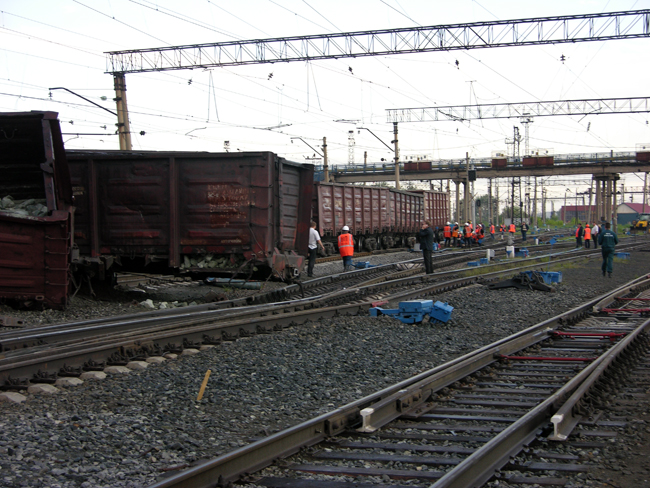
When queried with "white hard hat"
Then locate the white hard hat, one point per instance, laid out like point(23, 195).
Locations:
point(345, 227)
point(466, 223)
point(448, 223)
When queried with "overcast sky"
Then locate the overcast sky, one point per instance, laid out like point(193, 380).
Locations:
point(62, 44)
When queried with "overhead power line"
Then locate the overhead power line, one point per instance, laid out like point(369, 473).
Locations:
point(524, 109)
point(500, 33)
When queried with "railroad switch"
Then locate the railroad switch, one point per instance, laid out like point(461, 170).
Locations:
point(612, 336)
point(643, 312)
point(414, 311)
point(542, 358)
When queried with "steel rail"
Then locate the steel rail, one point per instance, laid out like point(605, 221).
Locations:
point(221, 310)
point(255, 302)
point(479, 467)
point(74, 354)
point(374, 411)
point(214, 310)
point(566, 417)
point(66, 334)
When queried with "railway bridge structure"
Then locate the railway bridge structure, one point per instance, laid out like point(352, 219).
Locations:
point(604, 168)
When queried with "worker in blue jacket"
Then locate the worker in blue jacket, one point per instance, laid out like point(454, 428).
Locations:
point(425, 236)
point(607, 240)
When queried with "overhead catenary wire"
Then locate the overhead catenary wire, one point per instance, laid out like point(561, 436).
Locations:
point(293, 101)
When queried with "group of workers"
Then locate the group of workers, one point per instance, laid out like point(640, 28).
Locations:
point(453, 235)
point(599, 234)
point(589, 234)
point(457, 236)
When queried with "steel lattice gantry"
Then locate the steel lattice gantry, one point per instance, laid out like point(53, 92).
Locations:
point(523, 109)
point(522, 32)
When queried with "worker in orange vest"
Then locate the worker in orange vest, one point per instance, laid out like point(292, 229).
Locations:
point(346, 247)
point(512, 229)
point(454, 234)
point(587, 237)
point(492, 230)
point(468, 235)
point(580, 232)
point(446, 232)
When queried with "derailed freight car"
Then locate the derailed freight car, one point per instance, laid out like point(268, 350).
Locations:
point(378, 217)
point(224, 212)
point(35, 210)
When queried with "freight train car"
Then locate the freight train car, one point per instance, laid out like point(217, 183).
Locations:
point(643, 156)
point(417, 166)
point(533, 161)
point(224, 212)
point(35, 210)
point(499, 162)
point(436, 207)
point(378, 217)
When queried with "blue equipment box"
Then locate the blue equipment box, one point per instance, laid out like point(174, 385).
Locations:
point(415, 306)
point(414, 311)
point(473, 263)
point(521, 253)
point(484, 261)
point(622, 255)
point(363, 265)
point(548, 276)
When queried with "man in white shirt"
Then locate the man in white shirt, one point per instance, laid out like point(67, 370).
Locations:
point(314, 242)
point(594, 234)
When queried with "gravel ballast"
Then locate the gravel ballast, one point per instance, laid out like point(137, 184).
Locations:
point(130, 429)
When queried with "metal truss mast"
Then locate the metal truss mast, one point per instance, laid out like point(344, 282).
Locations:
point(525, 109)
point(522, 32)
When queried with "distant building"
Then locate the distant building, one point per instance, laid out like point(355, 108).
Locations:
point(570, 212)
point(627, 212)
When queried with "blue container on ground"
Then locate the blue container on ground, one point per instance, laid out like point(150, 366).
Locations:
point(414, 311)
point(484, 261)
point(622, 255)
point(521, 253)
point(473, 263)
point(549, 277)
point(415, 306)
point(441, 312)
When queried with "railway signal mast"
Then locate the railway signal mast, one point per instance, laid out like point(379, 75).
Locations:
point(526, 121)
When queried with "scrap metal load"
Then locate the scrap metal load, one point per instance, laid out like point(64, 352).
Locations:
point(36, 210)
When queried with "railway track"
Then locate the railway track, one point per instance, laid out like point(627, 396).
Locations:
point(70, 349)
point(487, 244)
point(493, 412)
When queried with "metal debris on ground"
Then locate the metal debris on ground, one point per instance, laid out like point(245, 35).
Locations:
point(229, 283)
point(155, 281)
point(527, 280)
